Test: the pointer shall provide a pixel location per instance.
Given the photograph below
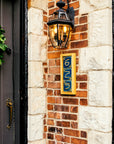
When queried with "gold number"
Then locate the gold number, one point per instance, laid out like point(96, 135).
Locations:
point(66, 75)
point(67, 62)
point(68, 85)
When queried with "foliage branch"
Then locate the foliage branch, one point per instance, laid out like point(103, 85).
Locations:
point(3, 46)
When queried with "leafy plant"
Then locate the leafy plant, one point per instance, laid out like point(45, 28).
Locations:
point(3, 46)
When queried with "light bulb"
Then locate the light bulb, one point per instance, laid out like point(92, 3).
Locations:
point(55, 29)
point(65, 29)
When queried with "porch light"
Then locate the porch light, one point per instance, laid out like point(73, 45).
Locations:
point(60, 25)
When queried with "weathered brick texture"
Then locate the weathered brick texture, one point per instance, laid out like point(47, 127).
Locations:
point(61, 122)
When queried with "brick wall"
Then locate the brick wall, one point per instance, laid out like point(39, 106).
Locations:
point(85, 118)
point(61, 122)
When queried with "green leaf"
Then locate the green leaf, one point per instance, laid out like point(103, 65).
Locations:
point(3, 47)
point(1, 56)
point(0, 62)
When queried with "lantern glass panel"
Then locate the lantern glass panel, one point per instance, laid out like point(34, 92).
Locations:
point(60, 35)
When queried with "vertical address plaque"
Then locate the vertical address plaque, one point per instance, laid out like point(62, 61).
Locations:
point(68, 74)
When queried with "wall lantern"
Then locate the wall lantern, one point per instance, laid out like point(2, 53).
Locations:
point(60, 25)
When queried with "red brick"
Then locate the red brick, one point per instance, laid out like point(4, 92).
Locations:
point(51, 62)
point(61, 108)
point(44, 12)
point(54, 70)
point(76, 12)
point(57, 61)
point(83, 134)
point(45, 84)
point(52, 11)
point(83, 102)
point(81, 28)
point(29, 4)
point(50, 122)
point(71, 132)
point(63, 124)
point(50, 78)
point(51, 99)
point(51, 142)
point(77, 68)
point(45, 128)
point(69, 116)
point(57, 92)
point(50, 136)
point(45, 26)
point(72, 51)
point(51, 115)
point(50, 48)
point(59, 143)
point(44, 121)
point(51, 129)
point(45, 33)
point(49, 92)
point(57, 115)
point(58, 100)
point(74, 109)
point(44, 135)
point(78, 141)
point(79, 44)
point(55, 129)
point(75, 37)
point(62, 138)
point(50, 107)
point(81, 94)
point(81, 77)
point(45, 70)
point(83, 19)
point(77, 60)
point(76, 20)
point(70, 101)
point(51, 4)
point(44, 77)
point(75, 5)
point(83, 85)
point(77, 85)
point(45, 18)
point(55, 85)
point(57, 77)
point(44, 64)
point(74, 125)
point(54, 55)
point(83, 35)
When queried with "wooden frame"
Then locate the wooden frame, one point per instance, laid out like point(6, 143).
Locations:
point(68, 74)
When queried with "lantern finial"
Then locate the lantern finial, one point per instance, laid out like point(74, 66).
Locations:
point(60, 4)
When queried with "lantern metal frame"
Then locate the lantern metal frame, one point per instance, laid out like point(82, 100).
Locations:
point(67, 20)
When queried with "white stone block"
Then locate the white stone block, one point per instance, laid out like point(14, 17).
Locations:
point(95, 137)
point(35, 21)
point(36, 100)
point(87, 6)
point(35, 127)
point(38, 142)
point(100, 28)
point(35, 74)
point(37, 46)
point(95, 118)
point(100, 88)
point(95, 58)
point(41, 4)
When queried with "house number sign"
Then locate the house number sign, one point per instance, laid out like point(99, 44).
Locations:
point(68, 74)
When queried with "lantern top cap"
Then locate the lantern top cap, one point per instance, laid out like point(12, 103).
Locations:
point(60, 4)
